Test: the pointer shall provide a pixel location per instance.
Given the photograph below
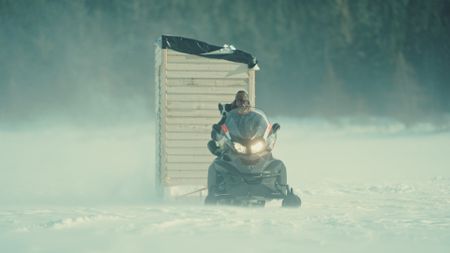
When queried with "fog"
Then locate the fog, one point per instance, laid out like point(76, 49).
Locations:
point(69, 165)
point(316, 150)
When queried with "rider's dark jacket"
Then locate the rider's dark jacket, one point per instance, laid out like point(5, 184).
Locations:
point(227, 108)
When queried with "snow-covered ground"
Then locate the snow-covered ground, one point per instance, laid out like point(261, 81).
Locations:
point(364, 189)
point(396, 217)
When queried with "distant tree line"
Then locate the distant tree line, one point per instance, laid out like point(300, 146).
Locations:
point(327, 58)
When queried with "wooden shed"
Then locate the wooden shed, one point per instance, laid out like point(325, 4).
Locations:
point(192, 77)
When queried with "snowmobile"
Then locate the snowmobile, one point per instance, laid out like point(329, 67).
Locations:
point(245, 173)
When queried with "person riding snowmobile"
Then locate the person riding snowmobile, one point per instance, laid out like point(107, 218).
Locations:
point(241, 101)
point(245, 173)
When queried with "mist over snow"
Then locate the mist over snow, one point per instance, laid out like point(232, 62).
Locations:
point(372, 188)
point(316, 150)
point(73, 165)
point(105, 165)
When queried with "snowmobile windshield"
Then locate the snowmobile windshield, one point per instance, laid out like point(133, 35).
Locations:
point(246, 126)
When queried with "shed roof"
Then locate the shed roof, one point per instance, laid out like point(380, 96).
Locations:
point(200, 48)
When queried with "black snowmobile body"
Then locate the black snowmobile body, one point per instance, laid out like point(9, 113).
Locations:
point(245, 173)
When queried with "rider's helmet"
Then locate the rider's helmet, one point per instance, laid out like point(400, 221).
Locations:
point(242, 101)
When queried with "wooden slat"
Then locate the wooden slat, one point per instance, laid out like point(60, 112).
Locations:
point(193, 121)
point(202, 90)
point(175, 56)
point(188, 128)
point(196, 171)
point(188, 136)
point(222, 66)
point(195, 59)
point(171, 52)
point(188, 166)
point(189, 159)
point(186, 181)
point(193, 113)
point(185, 143)
point(192, 82)
point(186, 176)
point(189, 151)
point(183, 173)
point(209, 74)
point(200, 98)
point(174, 52)
point(193, 106)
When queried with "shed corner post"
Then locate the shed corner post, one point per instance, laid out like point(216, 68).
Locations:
point(160, 100)
point(251, 86)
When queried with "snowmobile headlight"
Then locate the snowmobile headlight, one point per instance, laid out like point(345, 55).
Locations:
point(239, 147)
point(257, 147)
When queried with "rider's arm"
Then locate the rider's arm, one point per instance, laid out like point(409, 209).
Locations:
point(216, 128)
point(228, 107)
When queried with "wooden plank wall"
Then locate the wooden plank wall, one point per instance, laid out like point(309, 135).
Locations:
point(193, 86)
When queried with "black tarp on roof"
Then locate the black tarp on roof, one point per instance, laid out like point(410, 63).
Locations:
point(200, 48)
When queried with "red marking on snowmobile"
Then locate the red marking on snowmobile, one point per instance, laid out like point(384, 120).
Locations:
point(224, 128)
point(266, 133)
